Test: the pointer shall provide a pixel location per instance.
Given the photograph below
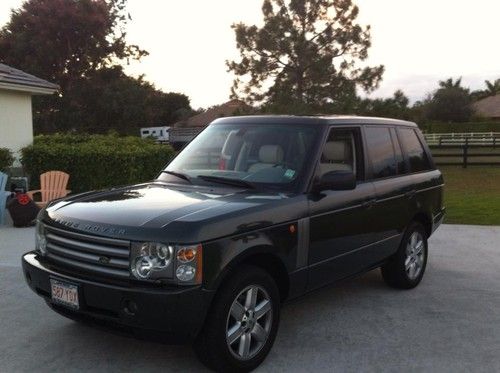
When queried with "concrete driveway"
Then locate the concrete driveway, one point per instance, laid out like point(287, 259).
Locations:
point(450, 323)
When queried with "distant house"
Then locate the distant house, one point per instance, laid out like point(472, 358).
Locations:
point(488, 107)
point(230, 108)
point(16, 89)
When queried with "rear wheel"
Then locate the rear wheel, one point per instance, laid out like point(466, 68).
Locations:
point(406, 268)
point(242, 323)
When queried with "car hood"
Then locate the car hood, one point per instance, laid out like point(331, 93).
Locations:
point(173, 212)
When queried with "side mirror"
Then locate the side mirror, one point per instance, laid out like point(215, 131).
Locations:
point(336, 180)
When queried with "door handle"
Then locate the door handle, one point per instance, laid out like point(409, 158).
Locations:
point(410, 194)
point(368, 204)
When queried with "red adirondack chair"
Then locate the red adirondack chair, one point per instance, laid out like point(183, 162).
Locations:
point(53, 185)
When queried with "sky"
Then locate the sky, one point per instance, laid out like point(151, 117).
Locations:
point(418, 41)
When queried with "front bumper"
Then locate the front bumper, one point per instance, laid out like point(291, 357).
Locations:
point(173, 315)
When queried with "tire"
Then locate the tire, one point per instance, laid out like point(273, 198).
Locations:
point(232, 311)
point(407, 267)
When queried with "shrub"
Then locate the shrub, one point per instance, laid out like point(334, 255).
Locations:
point(95, 161)
point(477, 126)
point(6, 159)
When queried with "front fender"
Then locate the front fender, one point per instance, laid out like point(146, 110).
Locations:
point(224, 255)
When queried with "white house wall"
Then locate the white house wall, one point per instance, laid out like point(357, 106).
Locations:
point(16, 126)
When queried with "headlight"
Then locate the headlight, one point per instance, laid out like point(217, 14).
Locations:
point(154, 260)
point(40, 240)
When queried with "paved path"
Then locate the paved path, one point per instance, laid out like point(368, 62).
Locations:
point(450, 323)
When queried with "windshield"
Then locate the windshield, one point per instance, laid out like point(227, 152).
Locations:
point(245, 155)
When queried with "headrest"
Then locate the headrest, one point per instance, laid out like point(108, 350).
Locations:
point(271, 154)
point(334, 150)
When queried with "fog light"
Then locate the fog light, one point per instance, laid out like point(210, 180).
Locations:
point(185, 272)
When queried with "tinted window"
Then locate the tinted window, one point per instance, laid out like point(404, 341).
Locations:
point(414, 150)
point(401, 164)
point(380, 151)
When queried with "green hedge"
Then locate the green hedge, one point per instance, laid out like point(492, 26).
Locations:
point(6, 159)
point(477, 126)
point(95, 161)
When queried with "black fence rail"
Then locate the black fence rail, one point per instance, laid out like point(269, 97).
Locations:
point(470, 153)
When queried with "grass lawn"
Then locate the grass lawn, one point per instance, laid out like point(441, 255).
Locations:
point(472, 195)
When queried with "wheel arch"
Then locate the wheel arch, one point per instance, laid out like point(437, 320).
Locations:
point(424, 219)
point(262, 257)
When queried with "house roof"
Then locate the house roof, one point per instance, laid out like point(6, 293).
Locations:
point(224, 110)
point(488, 107)
point(17, 80)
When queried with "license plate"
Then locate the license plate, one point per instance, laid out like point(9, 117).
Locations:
point(64, 293)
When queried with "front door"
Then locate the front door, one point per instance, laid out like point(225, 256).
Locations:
point(340, 221)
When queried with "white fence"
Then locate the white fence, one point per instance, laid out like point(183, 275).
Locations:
point(472, 138)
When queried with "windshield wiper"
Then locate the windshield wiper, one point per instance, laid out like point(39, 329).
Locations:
point(228, 181)
point(178, 174)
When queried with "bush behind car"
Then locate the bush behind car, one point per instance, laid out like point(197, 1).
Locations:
point(6, 159)
point(95, 161)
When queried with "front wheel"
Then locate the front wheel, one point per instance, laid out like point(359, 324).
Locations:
point(406, 268)
point(241, 326)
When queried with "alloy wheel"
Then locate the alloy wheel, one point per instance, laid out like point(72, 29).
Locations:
point(249, 322)
point(415, 250)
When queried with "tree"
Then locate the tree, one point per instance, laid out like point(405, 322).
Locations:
point(451, 102)
point(492, 89)
point(450, 83)
point(305, 57)
point(111, 100)
point(63, 41)
point(81, 45)
point(393, 107)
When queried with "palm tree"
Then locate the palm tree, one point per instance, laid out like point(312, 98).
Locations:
point(450, 83)
point(492, 88)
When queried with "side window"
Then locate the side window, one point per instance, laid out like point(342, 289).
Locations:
point(400, 162)
point(380, 151)
point(414, 150)
point(342, 152)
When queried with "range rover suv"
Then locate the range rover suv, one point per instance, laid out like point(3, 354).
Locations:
point(255, 211)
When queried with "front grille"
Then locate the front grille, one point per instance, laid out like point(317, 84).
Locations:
point(84, 253)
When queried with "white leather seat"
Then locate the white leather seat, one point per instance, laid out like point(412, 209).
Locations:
point(269, 156)
point(337, 156)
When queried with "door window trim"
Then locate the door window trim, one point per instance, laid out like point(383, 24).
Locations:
point(359, 128)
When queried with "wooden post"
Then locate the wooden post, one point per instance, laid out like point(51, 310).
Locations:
point(465, 149)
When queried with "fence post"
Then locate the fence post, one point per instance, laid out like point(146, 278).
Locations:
point(465, 149)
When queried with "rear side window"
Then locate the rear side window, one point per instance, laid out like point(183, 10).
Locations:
point(380, 151)
point(402, 169)
point(414, 150)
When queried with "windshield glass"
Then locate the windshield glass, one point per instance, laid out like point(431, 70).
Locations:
point(259, 155)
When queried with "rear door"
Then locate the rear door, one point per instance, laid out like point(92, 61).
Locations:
point(394, 188)
point(426, 179)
